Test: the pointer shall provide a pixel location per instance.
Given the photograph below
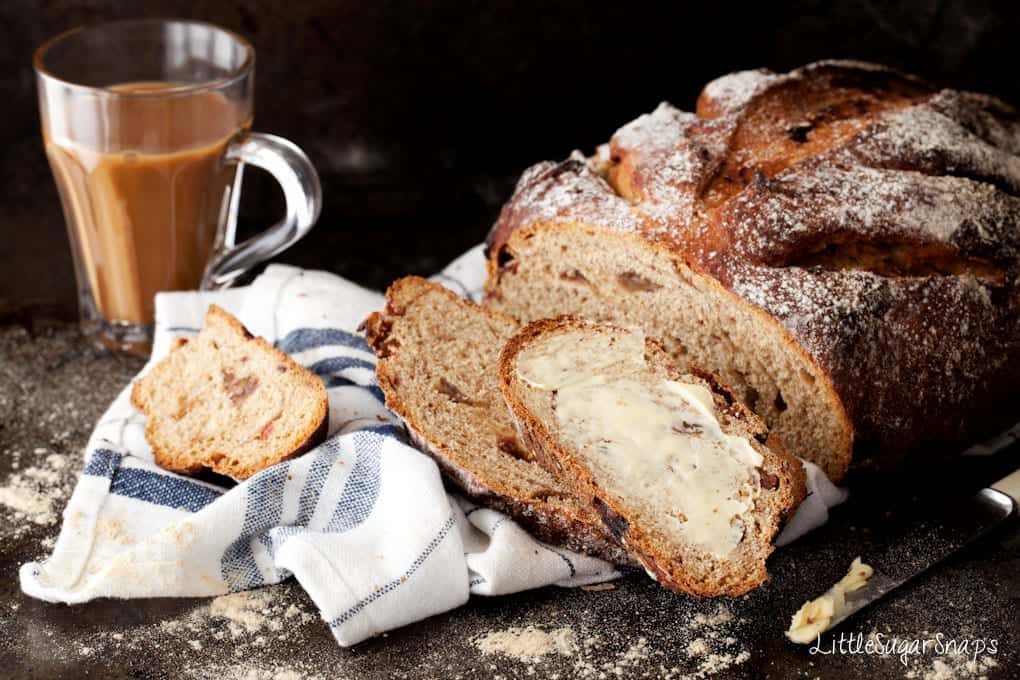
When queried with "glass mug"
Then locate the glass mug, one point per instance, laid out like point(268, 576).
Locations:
point(146, 126)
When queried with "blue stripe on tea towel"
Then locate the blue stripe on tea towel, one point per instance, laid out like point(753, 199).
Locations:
point(102, 463)
point(336, 364)
point(325, 458)
point(301, 339)
point(165, 490)
point(263, 510)
point(395, 583)
point(361, 490)
point(264, 503)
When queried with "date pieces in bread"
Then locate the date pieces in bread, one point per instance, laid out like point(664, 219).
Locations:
point(229, 402)
point(677, 468)
point(438, 367)
point(840, 244)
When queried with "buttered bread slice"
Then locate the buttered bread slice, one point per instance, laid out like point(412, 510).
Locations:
point(438, 367)
point(229, 402)
point(677, 468)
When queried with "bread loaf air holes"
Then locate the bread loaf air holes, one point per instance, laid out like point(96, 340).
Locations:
point(634, 282)
point(454, 393)
point(506, 260)
point(573, 275)
point(508, 445)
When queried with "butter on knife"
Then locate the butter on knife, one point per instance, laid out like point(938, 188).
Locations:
point(815, 616)
point(966, 519)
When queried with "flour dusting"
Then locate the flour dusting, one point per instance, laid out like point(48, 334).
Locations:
point(528, 643)
point(33, 495)
point(708, 646)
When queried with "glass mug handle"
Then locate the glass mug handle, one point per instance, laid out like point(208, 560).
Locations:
point(302, 194)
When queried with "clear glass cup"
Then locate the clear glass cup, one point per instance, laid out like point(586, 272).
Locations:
point(146, 126)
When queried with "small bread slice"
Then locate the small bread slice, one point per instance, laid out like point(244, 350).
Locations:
point(677, 468)
point(438, 368)
point(229, 402)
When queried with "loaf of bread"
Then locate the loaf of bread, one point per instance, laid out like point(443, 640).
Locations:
point(839, 244)
point(438, 368)
point(229, 402)
point(677, 468)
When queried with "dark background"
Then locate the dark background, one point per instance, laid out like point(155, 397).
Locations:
point(419, 119)
point(420, 116)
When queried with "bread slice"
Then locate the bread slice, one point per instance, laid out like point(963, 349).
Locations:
point(438, 362)
point(229, 402)
point(677, 468)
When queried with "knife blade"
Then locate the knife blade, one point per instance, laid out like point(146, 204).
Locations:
point(962, 523)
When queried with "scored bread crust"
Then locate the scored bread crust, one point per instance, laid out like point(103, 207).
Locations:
point(865, 219)
point(172, 456)
point(721, 577)
point(566, 522)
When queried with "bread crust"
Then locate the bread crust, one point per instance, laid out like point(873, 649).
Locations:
point(166, 456)
point(572, 526)
point(869, 217)
point(736, 419)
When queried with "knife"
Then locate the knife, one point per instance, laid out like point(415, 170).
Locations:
point(960, 524)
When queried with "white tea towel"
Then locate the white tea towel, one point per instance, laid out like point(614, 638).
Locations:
point(362, 521)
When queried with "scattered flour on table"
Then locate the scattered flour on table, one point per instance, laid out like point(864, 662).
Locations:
point(953, 667)
point(636, 652)
point(26, 502)
point(250, 672)
point(232, 635)
point(707, 647)
point(719, 617)
point(698, 647)
point(528, 643)
point(256, 615)
point(246, 612)
point(33, 494)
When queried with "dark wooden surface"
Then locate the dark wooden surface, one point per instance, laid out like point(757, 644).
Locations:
point(419, 118)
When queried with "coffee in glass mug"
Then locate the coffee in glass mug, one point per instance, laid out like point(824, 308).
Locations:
point(146, 126)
